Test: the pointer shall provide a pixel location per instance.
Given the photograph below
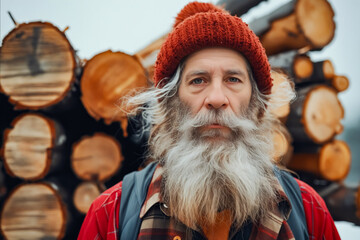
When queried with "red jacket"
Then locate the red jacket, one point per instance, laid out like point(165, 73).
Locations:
point(102, 221)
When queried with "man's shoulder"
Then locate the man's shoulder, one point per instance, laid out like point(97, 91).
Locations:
point(108, 197)
point(310, 196)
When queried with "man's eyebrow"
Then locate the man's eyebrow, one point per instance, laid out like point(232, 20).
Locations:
point(204, 72)
point(235, 72)
point(197, 72)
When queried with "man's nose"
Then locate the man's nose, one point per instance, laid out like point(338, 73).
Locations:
point(216, 97)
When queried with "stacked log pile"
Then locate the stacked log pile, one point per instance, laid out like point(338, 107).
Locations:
point(65, 139)
point(62, 130)
point(313, 119)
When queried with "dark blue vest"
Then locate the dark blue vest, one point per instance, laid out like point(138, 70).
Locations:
point(135, 186)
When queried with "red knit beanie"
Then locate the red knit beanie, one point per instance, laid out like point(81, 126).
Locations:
point(203, 25)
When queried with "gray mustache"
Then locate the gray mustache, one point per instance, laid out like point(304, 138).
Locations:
point(220, 117)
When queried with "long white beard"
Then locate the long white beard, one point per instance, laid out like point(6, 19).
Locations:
point(202, 177)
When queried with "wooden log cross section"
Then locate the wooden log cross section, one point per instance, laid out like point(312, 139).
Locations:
point(331, 161)
point(282, 146)
point(34, 211)
point(295, 25)
point(96, 158)
point(108, 77)
point(301, 69)
point(85, 194)
point(32, 147)
point(280, 102)
point(37, 66)
point(315, 115)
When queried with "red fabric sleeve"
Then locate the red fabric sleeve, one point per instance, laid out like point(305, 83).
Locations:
point(320, 224)
point(102, 219)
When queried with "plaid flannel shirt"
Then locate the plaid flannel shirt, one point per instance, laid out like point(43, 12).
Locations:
point(102, 220)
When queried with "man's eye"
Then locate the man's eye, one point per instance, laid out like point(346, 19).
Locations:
point(234, 79)
point(196, 81)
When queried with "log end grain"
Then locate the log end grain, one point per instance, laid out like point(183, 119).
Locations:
point(27, 146)
point(328, 69)
point(37, 66)
point(84, 195)
point(96, 158)
point(315, 19)
point(108, 77)
point(335, 160)
point(280, 100)
point(322, 113)
point(33, 210)
point(282, 146)
point(340, 83)
point(303, 66)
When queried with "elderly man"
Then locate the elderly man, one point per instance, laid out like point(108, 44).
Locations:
point(211, 176)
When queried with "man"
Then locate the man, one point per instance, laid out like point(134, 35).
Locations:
point(210, 141)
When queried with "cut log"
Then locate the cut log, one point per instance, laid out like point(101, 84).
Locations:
point(37, 66)
point(294, 64)
point(301, 69)
point(295, 25)
point(85, 194)
point(33, 147)
point(148, 55)
point(96, 157)
point(323, 72)
point(343, 202)
point(238, 8)
point(34, 211)
point(340, 83)
point(315, 115)
point(332, 161)
point(279, 102)
point(108, 77)
point(282, 146)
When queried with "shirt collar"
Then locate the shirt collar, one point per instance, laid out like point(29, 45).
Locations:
point(153, 194)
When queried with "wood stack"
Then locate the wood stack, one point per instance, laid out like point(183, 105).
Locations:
point(314, 117)
point(56, 156)
point(63, 144)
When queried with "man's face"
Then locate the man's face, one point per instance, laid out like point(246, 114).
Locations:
point(215, 79)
